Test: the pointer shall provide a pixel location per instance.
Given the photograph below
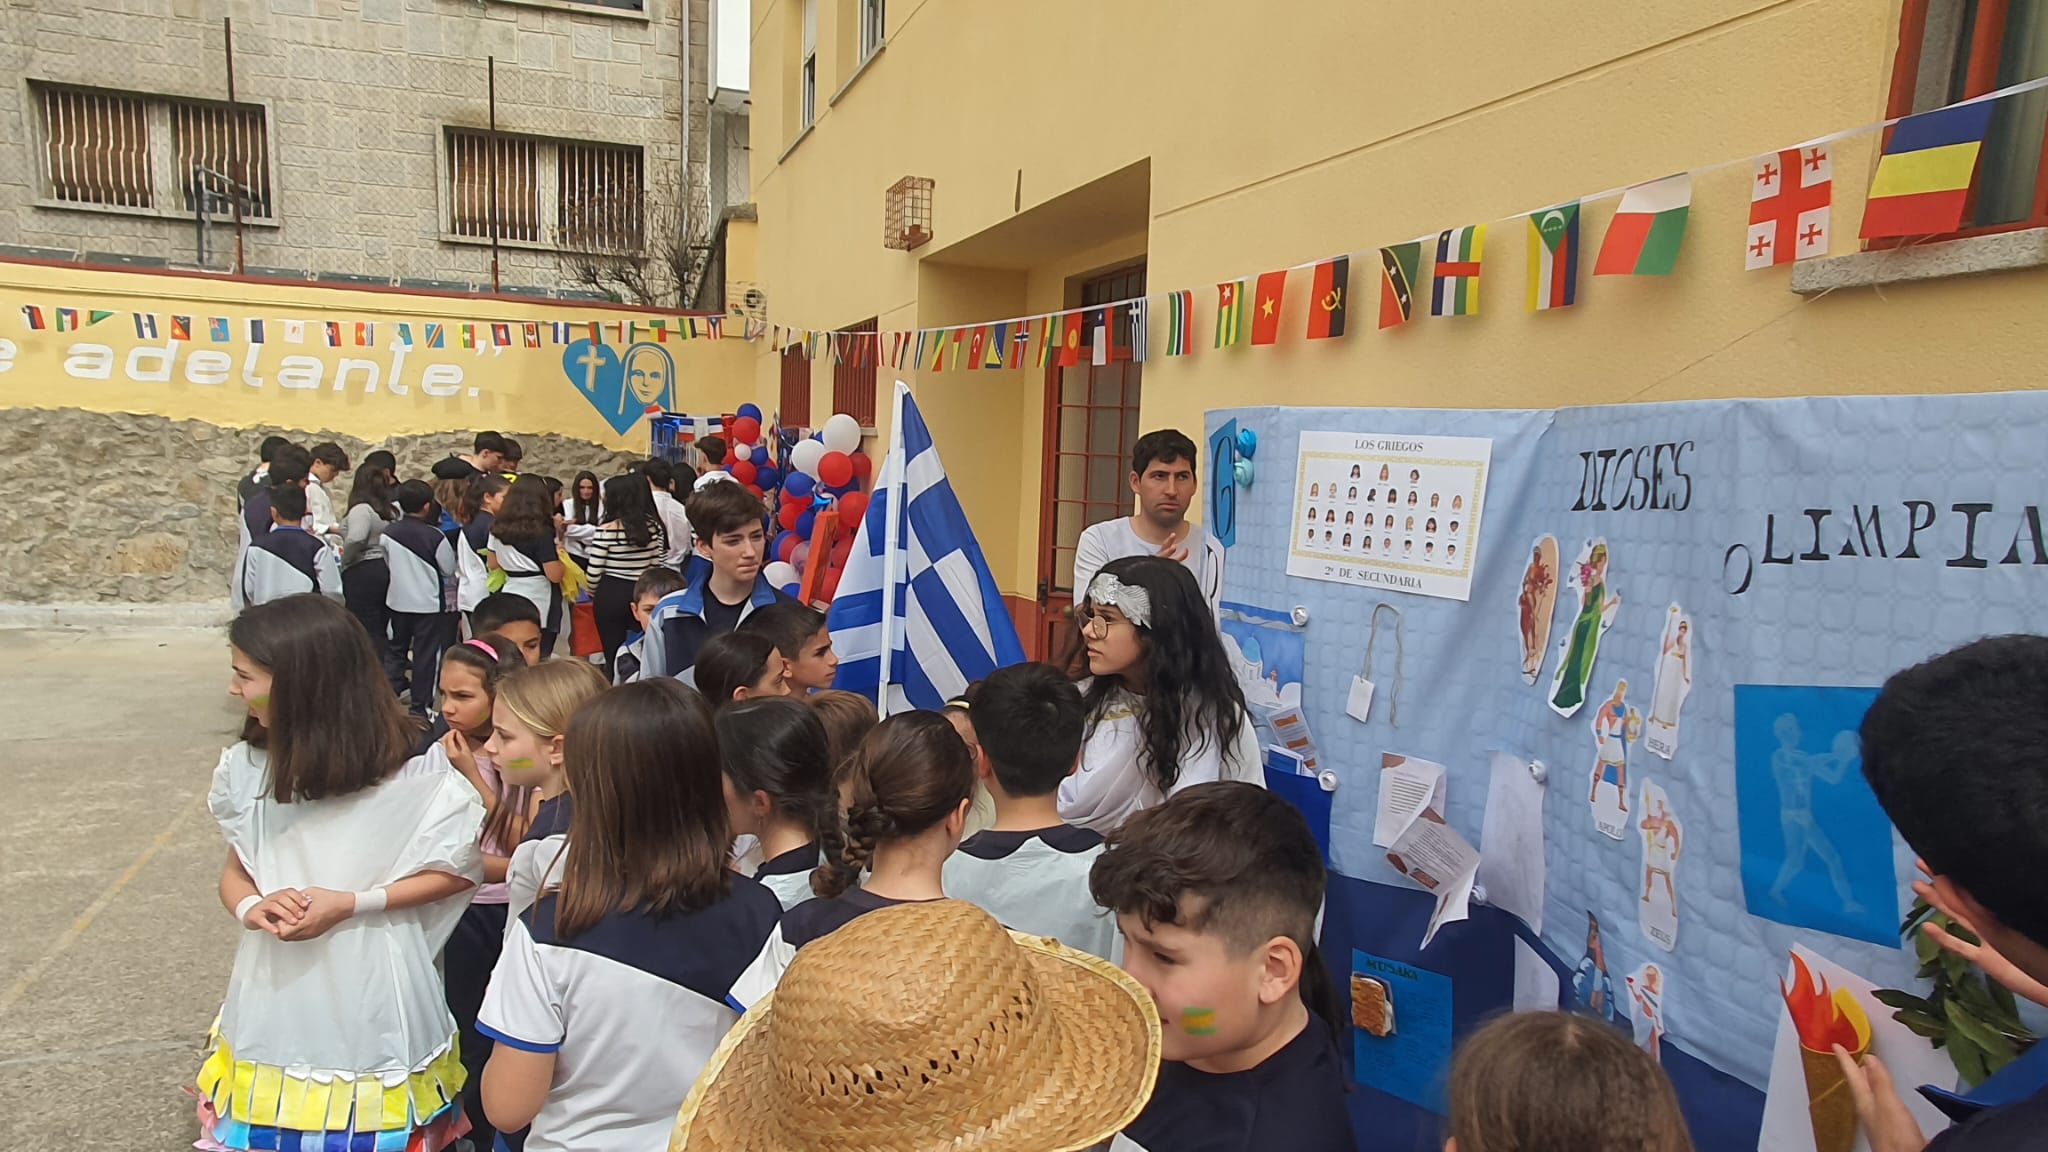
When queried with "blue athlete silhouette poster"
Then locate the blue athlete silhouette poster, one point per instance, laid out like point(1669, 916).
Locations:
point(1816, 847)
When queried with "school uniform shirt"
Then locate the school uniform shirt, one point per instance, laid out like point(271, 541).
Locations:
point(254, 521)
point(628, 660)
point(320, 518)
point(551, 817)
point(1113, 783)
point(1037, 883)
point(800, 925)
point(522, 565)
point(1116, 539)
point(286, 562)
point(681, 539)
point(422, 565)
point(477, 533)
point(1294, 1100)
point(534, 867)
point(682, 621)
point(632, 1007)
point(789, 875)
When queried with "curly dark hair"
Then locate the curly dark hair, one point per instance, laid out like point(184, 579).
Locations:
point(528, 514)
point(1188, 681)
point(910, 772)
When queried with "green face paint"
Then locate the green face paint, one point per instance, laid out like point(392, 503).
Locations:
point(520, 764)
point(1198, 1021)
point(262, 701)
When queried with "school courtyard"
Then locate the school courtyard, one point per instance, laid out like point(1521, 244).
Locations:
point(115, 950)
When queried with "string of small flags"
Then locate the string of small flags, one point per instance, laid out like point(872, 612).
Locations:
point(363, 334)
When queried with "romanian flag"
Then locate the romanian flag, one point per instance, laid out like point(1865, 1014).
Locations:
point(181, 327)
point(1554, 257)
point(1399, 266)
point(1070, 339)
point(1266, 313)
point(1923, 178)
point(1180, 322)
point(67, 319)
point(1459, 253)
point(1326, 298)
point(1230, 313)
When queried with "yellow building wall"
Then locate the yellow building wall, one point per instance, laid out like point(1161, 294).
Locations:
point(1286, 133)
point(372, 392)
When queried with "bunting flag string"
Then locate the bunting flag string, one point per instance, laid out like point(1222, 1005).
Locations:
point(1921, 187)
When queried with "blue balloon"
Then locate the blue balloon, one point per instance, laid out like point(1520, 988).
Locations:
point(792, 589)
point(806, 523)
point(750, 411)
point(797, 486)
point(767, 478)
point(819, 436)
point(1247, 443)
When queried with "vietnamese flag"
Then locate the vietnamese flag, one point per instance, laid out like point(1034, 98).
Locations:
point(1326, 298)
point(1266, 306)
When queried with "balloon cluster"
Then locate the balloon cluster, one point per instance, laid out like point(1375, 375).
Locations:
point(822, 472)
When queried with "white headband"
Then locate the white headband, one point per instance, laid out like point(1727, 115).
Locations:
point(1134, 602)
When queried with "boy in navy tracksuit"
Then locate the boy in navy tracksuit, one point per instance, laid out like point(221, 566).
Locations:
point(422, 592)
point(721, 590)
point(287, 560)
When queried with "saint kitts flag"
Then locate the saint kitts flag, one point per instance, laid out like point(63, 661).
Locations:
point(1399, 266)
point(1648, 229)
point(1554, 257)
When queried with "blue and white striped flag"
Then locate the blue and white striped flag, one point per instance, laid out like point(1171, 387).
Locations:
point(951, 627)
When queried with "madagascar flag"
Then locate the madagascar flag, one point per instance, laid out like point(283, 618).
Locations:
point(1399, 266)
point(1923, 179)
point(1266, 312)
point(1326, 298)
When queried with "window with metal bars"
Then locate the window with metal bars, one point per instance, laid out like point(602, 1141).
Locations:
point(796, 388)
point(853, 377)
point(103, 148)
point(588, 197)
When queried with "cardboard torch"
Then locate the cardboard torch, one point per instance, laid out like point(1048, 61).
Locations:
point(1823, 1019)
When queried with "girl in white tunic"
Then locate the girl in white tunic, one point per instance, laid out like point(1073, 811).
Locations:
point(348, 865)
point(1164, 709)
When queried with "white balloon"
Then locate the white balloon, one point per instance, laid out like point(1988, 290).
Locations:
point(781, 572)
point(842, 434)
point(743, 451)
point(805, 456)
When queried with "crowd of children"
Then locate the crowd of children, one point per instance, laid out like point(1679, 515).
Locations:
point(717, 905)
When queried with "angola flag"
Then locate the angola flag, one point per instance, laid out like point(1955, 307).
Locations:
point(1180, 327)
point(1399, 265)
point(1230, 313)
point(1326, 298)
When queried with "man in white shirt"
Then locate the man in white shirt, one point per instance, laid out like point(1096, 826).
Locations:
point(661, 477)
point(1163, 479)
point(329, 461)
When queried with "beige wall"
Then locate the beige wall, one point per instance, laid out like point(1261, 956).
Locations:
point(357, 94)
point(1321, 127)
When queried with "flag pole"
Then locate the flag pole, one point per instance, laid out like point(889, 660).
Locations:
point(899, 491)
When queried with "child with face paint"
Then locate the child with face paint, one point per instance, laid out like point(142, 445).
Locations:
point(331, 821)
point(470, 672)
point(528, 725)
point(1217, 892)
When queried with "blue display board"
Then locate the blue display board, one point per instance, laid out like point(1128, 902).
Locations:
point(1811, 547)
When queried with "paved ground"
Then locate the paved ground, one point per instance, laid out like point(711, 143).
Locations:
point(114, 949)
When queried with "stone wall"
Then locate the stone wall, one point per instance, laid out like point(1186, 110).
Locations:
point(141, 509)
point(356, 98)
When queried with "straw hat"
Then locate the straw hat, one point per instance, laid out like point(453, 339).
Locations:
point(926, 1027)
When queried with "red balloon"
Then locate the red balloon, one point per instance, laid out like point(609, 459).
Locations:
point(742, 470)
point(746, 430)
point(862, 466)
point(834, 468)
point(787, 548)
point(852, 507)
point(756, 489)
point(787, 517)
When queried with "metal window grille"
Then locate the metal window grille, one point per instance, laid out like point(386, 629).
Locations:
point(853, 377)
point(470, 202)
point(97, 147)
point(796, 388)
point(872, 14)
point(600, 198)
point(227, 140)
point(907, 213)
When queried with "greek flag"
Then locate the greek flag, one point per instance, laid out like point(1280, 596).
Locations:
point(949, 626)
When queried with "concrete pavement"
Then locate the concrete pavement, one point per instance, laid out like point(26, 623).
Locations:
point(114, 949)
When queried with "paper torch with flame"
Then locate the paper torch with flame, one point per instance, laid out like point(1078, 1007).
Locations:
point(1824, 1019)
